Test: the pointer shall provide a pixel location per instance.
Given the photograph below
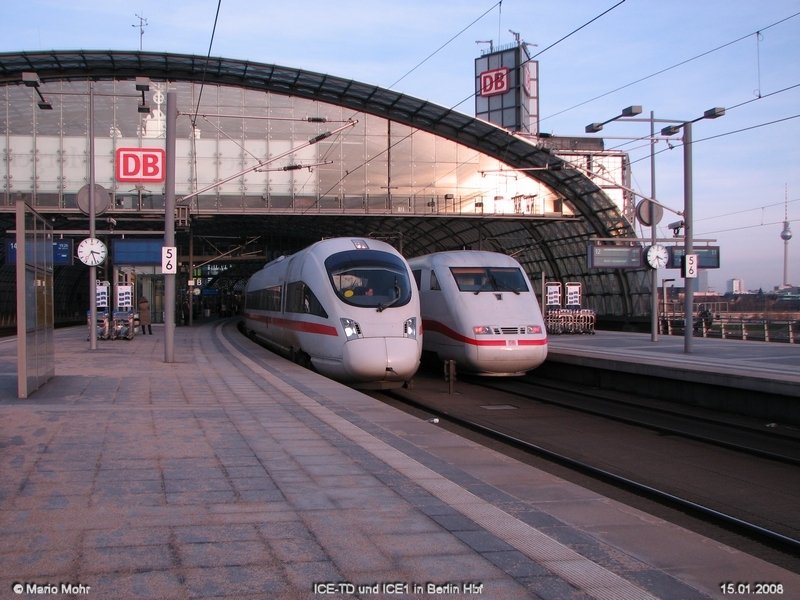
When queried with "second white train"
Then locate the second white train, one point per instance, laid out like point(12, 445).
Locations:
point(479, 309)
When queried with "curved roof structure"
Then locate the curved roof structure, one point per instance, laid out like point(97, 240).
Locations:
point(554, 247)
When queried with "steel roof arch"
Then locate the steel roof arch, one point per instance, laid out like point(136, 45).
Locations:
point(600, 217)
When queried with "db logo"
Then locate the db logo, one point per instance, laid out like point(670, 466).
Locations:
point(140, 165)
point(494, 82)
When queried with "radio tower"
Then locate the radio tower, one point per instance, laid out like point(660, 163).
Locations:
point(786, 235)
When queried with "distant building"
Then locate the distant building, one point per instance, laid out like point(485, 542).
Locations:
point(735, 286)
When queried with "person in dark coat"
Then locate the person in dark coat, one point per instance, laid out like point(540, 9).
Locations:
point(144, 316)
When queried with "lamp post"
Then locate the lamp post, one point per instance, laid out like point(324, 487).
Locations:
point(31, 79)
point(626, 114)
point(688, 227)
point(671, 130)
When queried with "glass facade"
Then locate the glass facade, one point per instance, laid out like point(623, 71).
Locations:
point(253, 162)
point(257, 144)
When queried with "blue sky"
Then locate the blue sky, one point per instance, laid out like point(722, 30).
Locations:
point(676, 58)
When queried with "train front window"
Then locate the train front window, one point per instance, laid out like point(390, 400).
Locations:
point(489, 279)
point(369, 278)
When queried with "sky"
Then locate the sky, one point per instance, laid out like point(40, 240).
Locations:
point(596, 57)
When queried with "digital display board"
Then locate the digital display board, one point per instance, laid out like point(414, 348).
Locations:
point(708, 257)
point(63, 252)
point(614, 257)
point(137, 252)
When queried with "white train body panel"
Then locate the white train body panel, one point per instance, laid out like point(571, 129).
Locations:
point(479, 309)
point(349, 306)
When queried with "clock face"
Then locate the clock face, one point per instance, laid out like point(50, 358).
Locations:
point(657, 256)
point(92, 251)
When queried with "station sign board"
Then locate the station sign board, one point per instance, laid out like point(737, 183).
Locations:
point(494, 81)
point(614, 257)
point(140, 165)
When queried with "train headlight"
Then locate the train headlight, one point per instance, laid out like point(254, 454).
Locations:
point(533, 329)
point(352, 330)
point(410, 328)
point(482, 330)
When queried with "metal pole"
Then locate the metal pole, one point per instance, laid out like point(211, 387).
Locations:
point(653, 234)
point(688, 227)
point(191, 276)
point(92, 269)
point(169, 227)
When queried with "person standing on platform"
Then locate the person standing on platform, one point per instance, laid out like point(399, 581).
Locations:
point(144, 316)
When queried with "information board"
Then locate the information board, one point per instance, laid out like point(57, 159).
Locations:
point(573, 289)
point(614, 257)
point(708, 257)
point(553, 293)
point(63, 253)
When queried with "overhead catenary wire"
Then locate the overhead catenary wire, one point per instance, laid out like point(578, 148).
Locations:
point(669, 68)
point(208, 59)
point(361, 165)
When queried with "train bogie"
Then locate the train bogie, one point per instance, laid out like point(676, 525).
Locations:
point(479, 309)
point(346, 307)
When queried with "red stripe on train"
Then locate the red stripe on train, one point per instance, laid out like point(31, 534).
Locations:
point(293, 324)
point(439, 327)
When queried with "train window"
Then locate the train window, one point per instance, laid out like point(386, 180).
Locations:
point(300, 299)
point(266, 299)
point(369, 278)
point(417, 273)
point(489, 279)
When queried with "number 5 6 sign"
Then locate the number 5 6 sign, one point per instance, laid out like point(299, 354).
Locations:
point(690, 266)
point(169, 260)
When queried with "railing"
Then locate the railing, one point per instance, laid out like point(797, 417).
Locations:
point(763, 330)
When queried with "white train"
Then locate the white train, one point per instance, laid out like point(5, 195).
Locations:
point(479, 309)
point(346, 307)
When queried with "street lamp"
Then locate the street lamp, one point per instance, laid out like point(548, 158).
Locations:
point(626, 113)
point(31, 79)
point(630, 111)
point(671, 130)
point(688, 225)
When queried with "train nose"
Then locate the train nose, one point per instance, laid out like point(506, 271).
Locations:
point(381, 359)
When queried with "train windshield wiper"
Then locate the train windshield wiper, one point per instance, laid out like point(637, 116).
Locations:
point(490, 284)
point(382, 306)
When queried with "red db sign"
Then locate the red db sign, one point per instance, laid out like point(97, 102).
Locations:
point(140, 165)
point(494, 82)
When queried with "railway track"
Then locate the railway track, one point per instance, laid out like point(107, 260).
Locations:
point(738, 477)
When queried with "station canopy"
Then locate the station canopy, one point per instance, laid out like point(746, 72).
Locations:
point(257, 174)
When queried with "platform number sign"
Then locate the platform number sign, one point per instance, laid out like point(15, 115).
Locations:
point(169, 260)
point(690, 266)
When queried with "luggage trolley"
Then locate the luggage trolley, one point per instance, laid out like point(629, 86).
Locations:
point(102, 326)
point(122, 326)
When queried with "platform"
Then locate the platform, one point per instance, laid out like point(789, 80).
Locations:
point(232, 473)
point(770, 367)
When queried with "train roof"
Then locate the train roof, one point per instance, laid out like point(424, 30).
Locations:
point(464, 258)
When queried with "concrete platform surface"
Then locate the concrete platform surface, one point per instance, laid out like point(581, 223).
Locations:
point(231, 473)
